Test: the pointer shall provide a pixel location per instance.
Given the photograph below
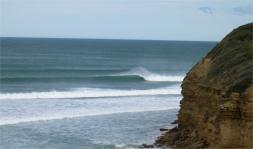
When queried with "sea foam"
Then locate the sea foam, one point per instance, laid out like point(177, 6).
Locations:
point(69, 116)
point(55, 109)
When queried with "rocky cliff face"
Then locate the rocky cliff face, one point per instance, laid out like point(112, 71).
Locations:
point(217, 105)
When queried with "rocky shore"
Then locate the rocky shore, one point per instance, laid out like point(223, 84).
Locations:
point(217, 106)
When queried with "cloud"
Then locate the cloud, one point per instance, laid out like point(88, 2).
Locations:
point(207, 10)
point(243, 10)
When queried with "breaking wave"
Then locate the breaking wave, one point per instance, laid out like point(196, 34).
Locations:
point(149, 76)
point(92, 93)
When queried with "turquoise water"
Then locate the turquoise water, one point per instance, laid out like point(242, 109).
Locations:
point(85, 93)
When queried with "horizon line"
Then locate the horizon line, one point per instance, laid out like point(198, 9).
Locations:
point(107, 38)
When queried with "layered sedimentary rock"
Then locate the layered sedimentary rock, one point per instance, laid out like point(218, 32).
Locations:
point(217, 105)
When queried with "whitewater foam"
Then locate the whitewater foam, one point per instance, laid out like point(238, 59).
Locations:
point(56, 109)
point(91, 92)
point(61, 117)
point(149, 76)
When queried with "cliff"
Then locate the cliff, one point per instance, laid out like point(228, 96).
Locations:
point(217, 105)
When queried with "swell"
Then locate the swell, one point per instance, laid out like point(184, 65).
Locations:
point(120, 78)
point(71, 78)
point(135, 74)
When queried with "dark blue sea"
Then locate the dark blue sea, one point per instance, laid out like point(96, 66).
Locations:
point(90, 93)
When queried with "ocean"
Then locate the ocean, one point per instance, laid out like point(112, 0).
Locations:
point(90, 93)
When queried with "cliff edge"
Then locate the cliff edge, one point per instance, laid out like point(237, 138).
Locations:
point(217, 105)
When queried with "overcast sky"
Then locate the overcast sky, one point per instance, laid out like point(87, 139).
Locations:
point(208, 20)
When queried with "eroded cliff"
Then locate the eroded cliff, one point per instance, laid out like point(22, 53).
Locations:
point(217, 105)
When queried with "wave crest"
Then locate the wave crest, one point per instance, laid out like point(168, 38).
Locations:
point(149, 76)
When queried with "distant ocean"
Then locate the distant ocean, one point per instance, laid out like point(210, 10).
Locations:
point(90, 94)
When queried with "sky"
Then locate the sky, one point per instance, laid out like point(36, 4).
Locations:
point(193, 20)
